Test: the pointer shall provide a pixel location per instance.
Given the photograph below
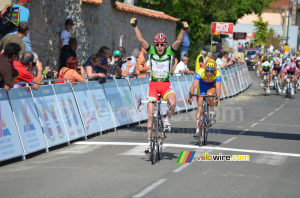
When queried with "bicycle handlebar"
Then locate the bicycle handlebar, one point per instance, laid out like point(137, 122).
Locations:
point(153, 102)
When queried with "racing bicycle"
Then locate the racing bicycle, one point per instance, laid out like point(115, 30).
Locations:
point(204, 119)
point(158, 132)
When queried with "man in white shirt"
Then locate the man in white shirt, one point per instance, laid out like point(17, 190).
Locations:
point(182, 66)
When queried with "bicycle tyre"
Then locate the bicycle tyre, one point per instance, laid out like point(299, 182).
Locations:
point(160, 140)
point(201, 127)
point(153, 154)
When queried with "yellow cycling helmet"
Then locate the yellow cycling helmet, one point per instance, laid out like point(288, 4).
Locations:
point(210, 65)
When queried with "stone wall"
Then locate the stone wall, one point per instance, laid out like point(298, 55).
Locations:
point(94, 26)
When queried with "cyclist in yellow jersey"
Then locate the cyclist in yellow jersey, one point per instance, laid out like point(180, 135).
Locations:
point(209, 80)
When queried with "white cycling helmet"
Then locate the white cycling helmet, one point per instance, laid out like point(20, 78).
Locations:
point(293, 65)
point(266, 64)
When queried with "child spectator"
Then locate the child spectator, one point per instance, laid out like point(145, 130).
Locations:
point(65, 35)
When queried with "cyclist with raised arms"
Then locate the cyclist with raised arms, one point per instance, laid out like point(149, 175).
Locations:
point(161, 57)
point(209, 80)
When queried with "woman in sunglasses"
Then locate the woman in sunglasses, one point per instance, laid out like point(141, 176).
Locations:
point(210, 83)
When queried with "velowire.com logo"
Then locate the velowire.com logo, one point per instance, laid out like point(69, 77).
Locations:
point(187, 157)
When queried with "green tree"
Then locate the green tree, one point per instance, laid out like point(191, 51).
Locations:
point(261, 31)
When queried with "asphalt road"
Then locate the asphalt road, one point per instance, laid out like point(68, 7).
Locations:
point(114, 165)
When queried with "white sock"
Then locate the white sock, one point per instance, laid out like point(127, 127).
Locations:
point(197, 130)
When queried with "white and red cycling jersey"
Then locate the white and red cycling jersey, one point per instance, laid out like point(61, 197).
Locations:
point(289, 71)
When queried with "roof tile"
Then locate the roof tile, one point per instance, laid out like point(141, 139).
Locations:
point(141, 11)
point(96, 2)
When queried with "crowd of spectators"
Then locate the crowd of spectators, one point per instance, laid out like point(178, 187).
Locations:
point(19, 65)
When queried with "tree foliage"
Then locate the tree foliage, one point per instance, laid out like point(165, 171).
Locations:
point(261, 30)
point(201, 13)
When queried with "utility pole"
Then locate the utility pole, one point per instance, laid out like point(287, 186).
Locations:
point(288, 25)
point(294, 12)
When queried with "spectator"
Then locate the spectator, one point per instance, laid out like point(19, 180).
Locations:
point(25, 66)
point(239, 46)
point(209, 55)
point(182, 66)
point(65, 34)
point(200, 60)
point(92, 67)
point(175, 62)
point(71, 72)
point(286, 48)
point(240, 57)
point(48, 73)
point(103, 66)
point(219, 47)
point(231, 53)
point(185, 43)
point(23, 16)
point(7, 73)
point(16, 38)
point(67, 51)
point(128, 67)
point(141, 67)
point(226, 61)
point(113, 68)
point(271, 48)
point(219, 61)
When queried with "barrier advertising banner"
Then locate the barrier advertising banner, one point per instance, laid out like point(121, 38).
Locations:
point(50, 116)
point(10, 144)
point(87, 108)
point(126, 96)
point(145, 85)
point(137, 94)
point(223, 88)
point(245, 75)
point(185, 90)
point(238, 86)
point(242, 79)
point(27, 120)
point(102, 106)
point(180, 103)
point(189, 80)
point(69, 110)
point(232, 80)
point(227, 82)
point(116, 103)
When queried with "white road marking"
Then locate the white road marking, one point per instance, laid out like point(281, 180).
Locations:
point(270, 114)
point(253, 125)
point(137, 150)
point(277, 109)
point(281, 106)
point(193, 147)
point(226, 142)
point(283, 125)
point(241, 133)
point(270, 159)
point(149, 188)
point(263, 119)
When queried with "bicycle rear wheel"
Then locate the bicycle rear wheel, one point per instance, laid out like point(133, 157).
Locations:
point(153, 148)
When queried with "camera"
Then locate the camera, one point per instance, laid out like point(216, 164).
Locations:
point(33, 63)
point(128, 59)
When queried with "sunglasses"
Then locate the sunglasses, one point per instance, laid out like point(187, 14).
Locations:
point(209, 71)
point(159, 44)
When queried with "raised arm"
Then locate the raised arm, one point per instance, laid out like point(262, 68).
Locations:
point(138, 34)
point(179, 38)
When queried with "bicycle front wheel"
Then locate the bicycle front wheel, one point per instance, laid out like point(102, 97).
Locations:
point(201, 127)
point(153, 149)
